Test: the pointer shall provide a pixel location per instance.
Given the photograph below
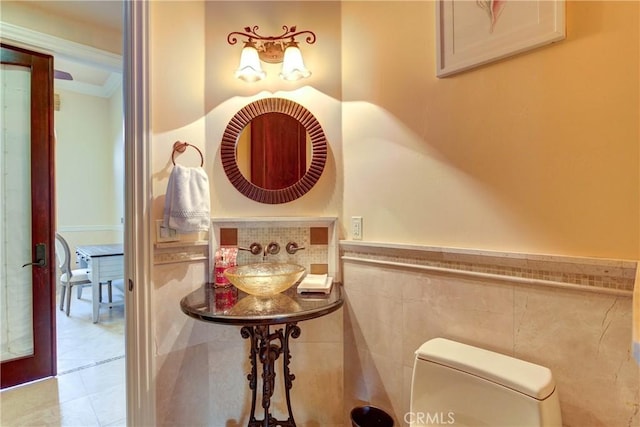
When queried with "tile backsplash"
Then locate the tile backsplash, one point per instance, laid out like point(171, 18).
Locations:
point(316, 235)
point(312, 254)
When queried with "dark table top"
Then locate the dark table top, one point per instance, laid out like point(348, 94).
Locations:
point(232, 306)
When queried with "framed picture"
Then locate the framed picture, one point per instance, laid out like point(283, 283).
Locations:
point(470, 33)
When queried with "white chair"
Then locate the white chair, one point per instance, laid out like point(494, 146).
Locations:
point(69, 278)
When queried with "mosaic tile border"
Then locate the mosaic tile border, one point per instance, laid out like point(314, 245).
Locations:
point(591, 273)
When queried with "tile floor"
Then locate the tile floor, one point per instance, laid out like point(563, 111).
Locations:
point(90, 387)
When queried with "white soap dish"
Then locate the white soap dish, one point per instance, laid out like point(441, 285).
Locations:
point(315, 283)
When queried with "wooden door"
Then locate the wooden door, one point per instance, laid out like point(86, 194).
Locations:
point(27, 218)
point(278, 151)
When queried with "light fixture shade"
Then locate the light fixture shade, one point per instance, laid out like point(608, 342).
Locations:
point(292, 65)
point(250, 69)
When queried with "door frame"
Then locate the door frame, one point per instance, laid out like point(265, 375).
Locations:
point(139, 326)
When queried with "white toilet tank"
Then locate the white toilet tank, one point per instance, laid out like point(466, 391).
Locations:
point(461, 385)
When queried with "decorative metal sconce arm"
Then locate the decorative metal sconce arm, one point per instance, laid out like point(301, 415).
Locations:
point(252, 35)
point(270, 48)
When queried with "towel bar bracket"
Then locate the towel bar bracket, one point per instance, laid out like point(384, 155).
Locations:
point(181, 147)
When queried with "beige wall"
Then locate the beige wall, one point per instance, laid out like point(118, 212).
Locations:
point(320, 94)
point(89, 168)
point(583, 337)
point(83, 141)
point(193, 96)
point(203, 95)
point(550, 167)
point(537, 153)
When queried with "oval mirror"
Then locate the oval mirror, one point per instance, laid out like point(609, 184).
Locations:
point(273, 150)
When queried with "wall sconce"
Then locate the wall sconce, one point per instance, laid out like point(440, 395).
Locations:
point(273, 50)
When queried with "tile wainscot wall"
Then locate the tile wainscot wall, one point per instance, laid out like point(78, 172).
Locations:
point(572, 315)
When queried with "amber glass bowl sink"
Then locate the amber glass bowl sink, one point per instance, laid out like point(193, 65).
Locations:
point(264, 279)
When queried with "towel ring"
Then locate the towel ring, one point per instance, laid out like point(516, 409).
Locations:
point(180, 147)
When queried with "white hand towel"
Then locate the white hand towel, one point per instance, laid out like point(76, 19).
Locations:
point(187, 203)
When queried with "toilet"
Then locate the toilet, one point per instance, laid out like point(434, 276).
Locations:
point(461, 385)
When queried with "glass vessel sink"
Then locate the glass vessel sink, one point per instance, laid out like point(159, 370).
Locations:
point(264, 279)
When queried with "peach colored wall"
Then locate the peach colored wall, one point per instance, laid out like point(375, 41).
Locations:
point(193, 96)
point(89, 151)
point(320, 94)
point(203, 95)
point(550, 167)
point(537, 153)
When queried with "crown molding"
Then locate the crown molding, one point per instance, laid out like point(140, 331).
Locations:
point(63, 48)
point(67, 49)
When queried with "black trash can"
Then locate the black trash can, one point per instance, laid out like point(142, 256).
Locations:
point(370, 416)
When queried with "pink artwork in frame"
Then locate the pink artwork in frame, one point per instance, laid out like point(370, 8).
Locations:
point(472, 33)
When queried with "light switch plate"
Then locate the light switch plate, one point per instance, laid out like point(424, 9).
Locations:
point(356, 227)
point(165, 234)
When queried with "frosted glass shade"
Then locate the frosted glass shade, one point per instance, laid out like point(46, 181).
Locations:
point(292, 65)
point(250, 69)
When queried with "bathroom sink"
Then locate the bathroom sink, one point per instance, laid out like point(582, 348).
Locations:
point(264, 279)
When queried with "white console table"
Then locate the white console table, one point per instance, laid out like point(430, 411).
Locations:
point(106, 263)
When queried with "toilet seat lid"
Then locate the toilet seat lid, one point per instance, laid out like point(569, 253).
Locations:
point(522, 376)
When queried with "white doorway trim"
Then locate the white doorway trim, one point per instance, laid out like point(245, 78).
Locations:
point(138, 197)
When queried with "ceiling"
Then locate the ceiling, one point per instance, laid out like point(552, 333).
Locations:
point(107, 14)
point(87, 79)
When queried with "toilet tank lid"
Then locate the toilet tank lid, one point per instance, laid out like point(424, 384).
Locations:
point(525, 377)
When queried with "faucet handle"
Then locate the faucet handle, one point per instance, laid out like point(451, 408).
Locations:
point(272, 248)
point(255, 248)
point(292, 248)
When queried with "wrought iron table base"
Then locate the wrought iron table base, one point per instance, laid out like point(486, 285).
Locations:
point(268, 346)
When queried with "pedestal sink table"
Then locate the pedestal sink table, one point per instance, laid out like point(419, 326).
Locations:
point(257, 315)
